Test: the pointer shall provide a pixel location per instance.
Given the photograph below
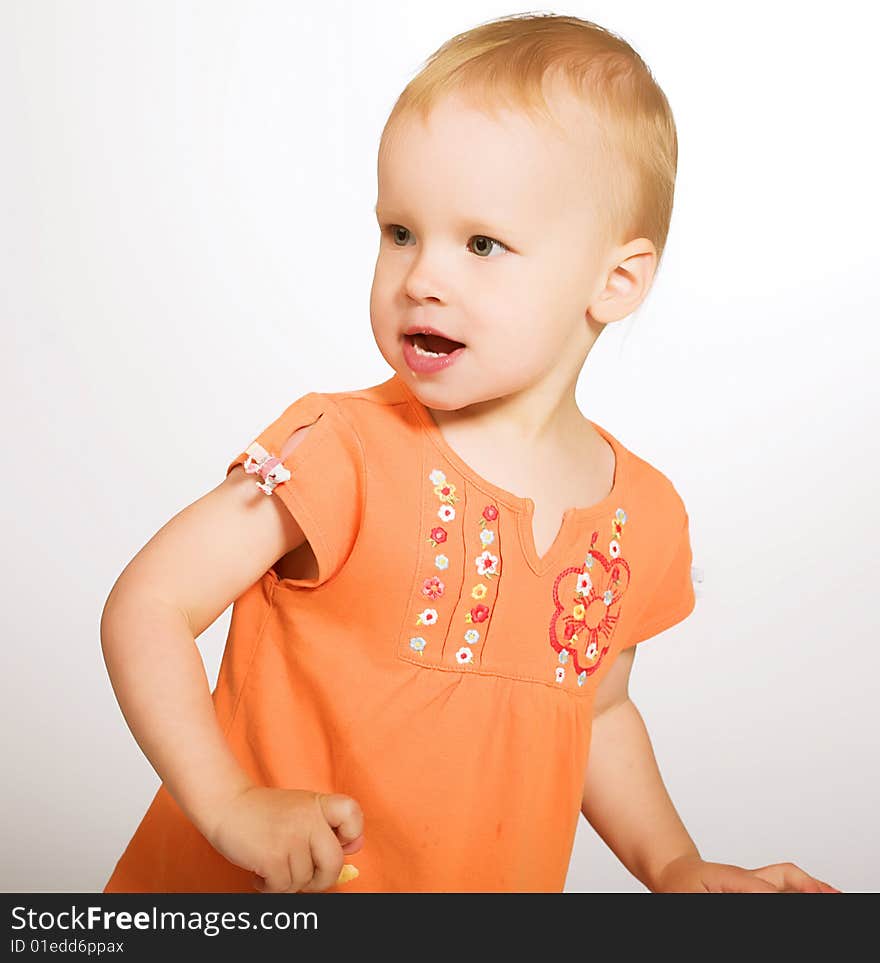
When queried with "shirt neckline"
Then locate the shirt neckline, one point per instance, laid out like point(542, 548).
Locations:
point(523, 506)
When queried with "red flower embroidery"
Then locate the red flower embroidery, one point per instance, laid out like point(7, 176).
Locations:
point(597, 610)
point(479, 613)
point(437, 536)
point(490, 513)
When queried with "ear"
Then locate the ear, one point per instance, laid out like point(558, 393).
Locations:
point(627, 282)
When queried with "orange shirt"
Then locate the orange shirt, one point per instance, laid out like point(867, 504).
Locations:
point(436, 670)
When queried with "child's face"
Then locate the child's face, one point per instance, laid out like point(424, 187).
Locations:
point(446, 191)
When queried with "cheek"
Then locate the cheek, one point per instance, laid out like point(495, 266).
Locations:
point(381, 302)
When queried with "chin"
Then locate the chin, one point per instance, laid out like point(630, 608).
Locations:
point(440, 397)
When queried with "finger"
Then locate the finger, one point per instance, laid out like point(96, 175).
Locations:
point(810, 885)
point(743, 881)
point(788, 877)
point(343, 814)
point(828, 888)
point(277, 879)
point(299, 859)
point(354, 846)
point(327, 859)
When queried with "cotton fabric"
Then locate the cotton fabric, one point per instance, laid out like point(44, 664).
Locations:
point(436, 669)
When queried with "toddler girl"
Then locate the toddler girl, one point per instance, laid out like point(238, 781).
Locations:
point(425, 677)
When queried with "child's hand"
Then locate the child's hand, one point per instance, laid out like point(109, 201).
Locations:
point(293, 840)
point(690, 874)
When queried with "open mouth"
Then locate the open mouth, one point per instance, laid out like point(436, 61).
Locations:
point(433, 345)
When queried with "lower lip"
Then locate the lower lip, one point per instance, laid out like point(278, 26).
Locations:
point(425, 365)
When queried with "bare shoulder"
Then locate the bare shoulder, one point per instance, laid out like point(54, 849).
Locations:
point(296, 439)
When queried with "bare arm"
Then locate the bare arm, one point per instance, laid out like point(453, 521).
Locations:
point(624, 798)
point(189, 572)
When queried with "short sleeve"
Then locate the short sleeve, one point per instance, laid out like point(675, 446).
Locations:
point(321, 482)
point(673, 600)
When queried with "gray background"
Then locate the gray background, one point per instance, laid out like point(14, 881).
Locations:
point(187, 246)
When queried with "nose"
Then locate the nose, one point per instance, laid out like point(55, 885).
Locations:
point(422, 282)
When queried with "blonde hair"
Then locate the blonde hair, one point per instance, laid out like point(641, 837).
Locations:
point(506, 60)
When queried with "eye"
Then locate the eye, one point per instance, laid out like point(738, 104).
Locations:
point(483, 246)
point(487, 243)
point(394, 230)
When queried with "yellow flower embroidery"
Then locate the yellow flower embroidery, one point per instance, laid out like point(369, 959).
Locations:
point(446, 493)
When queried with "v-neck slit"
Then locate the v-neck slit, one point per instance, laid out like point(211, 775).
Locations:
point(523, 506)
point(541, 564)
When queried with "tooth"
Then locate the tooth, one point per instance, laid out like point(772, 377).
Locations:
point(428, 354)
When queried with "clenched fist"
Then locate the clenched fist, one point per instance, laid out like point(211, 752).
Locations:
point(292, 840)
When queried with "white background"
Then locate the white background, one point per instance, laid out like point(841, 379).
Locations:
point(187, 246)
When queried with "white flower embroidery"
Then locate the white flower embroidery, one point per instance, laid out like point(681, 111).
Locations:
point(487, 536)
point(563, 656)
point(441, 561)
point(487, 564)
point(614, 547)
point(464, 655)
point(446, 513)
point(427, 617)
point(592, 650)
point(608, 596)
point(588, 561)
point(471, 636)
point(582, 677)
point(584, 584)
point(437, 477)
point(620, 515)
point(560, 674)
point(417, 643)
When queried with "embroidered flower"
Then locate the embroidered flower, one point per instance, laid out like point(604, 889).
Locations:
point(417, 643)
point(464, 655)
point(487, 564)
point(437, 536)
point(579, 612)
point(479, 613)
point(427, 617)
point(487, 536)
point(433, 587)
point(620, 515)
point(471, 636)
point(479, 591)
point(618, 522)
point(560, 674)
point(446, 492)
point(614, 548)
point(437, 477)
point(446, 513)
point(441, 561)
point(490, 513)
point(563, 656)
